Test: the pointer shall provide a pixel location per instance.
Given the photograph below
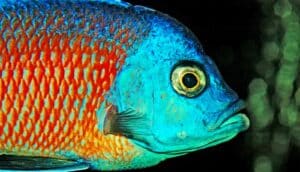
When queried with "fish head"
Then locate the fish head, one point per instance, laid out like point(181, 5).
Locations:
point(170, 96)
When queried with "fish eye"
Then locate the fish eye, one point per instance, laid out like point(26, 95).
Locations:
point(188, 80)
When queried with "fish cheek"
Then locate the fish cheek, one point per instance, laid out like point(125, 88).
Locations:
point(170, 119)
point(175, 114)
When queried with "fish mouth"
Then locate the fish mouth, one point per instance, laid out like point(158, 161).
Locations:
point(231, 123)
point(234, 118)
point(237, 119)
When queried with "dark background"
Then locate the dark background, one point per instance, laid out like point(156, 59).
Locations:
point(229, 33)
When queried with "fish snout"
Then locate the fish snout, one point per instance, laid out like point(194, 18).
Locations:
point(219, 118)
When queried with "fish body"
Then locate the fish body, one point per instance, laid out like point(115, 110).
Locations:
point(93, 82)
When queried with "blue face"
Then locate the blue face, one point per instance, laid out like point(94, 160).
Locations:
point(170, 96)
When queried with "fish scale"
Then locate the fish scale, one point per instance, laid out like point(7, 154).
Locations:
point(53, 77)
point(106, 85)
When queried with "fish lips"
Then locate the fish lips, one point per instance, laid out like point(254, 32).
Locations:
point(231, 123)
point(233, 118)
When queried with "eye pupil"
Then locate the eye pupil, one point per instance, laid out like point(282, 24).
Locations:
point(189, 80)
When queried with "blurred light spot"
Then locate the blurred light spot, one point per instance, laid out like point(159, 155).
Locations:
point(297, 97)
point(291, 23)
point(295, 132)
point(261, 139)
point(270, 51)
point(258, 86)
point(291, 51)
point(288, 115)
point(265, 68)
point(258, 104)
point(263, 164)
point(280, 142)
point(282, 8)
point(269, 27)
point(284, 82)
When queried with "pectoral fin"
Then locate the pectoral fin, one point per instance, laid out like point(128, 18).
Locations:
point(30, 163)
point(129, 123)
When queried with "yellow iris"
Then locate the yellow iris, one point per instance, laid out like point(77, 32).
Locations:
point(188, 80)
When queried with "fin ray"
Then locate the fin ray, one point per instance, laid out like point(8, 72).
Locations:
point(22, 163)
point(115, 2)
point(129, 123)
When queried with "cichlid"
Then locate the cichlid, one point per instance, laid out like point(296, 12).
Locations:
point(105, 85)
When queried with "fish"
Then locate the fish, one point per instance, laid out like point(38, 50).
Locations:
point(106, 85)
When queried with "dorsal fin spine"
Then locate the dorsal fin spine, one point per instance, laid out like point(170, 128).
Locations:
point(115, 2)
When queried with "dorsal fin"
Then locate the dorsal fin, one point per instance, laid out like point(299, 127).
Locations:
point(115, 2)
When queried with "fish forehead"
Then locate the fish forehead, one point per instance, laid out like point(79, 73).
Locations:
point(58, 60)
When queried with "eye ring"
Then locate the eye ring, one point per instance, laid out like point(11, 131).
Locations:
point(188, 80)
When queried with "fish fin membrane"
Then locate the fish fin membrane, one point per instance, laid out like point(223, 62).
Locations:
point(114, 2)
point(30, 163)
point(129, 123)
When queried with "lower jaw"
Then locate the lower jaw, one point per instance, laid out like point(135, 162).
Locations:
point(239, 121)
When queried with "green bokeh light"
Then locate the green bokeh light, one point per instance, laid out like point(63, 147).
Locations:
point(282, 8)
point(258, 104)
point(270, 50)
point(262, 164)
point(288, 115)
point(280, 142)
point(297, 97)
point(274, 95)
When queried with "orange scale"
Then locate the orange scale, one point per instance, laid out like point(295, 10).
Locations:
point(2, 90)
point(13, 117)
point(9, 131)
point(3, 119)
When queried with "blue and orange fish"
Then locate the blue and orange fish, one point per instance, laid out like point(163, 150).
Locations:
point(105, 85)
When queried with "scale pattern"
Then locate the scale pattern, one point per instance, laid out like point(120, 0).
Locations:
point(57, 62)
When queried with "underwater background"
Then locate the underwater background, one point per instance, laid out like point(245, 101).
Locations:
point(255, 44)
